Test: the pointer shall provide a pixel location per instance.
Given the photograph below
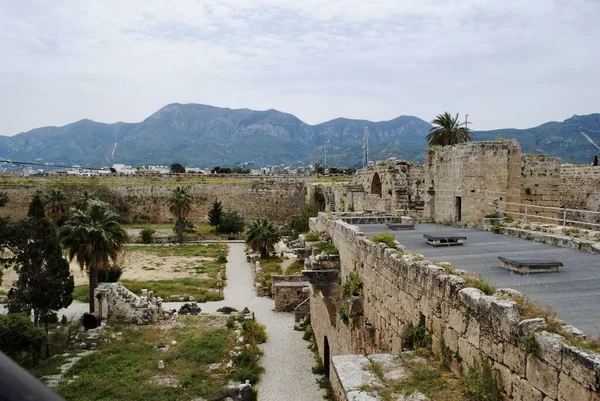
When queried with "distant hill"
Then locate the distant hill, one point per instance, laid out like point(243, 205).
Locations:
point(207, 136)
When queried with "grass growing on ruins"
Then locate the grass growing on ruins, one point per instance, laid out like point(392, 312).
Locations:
point(387, 238)
point(185, 250)
point(326, 247)
point(170, 290)
point(126, 368)
point(295, 268)
point(479, 283)
point(311, 236)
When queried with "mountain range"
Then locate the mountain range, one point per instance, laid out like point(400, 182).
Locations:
point(207, 136)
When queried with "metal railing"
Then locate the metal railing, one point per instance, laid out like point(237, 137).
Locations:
point(528, 211)
point(16, 384)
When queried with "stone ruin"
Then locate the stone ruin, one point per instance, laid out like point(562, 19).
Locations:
point(112, 301)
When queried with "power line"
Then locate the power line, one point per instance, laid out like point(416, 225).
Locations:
point(19, 163)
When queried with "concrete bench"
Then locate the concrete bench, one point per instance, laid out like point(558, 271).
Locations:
point(530, 266)
point(400, 226)
point(444, 240)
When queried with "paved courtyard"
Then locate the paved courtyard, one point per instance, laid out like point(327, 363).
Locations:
point(574, 292)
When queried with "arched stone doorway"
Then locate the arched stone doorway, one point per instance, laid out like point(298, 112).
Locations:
point(326, 356)
point(376, 185)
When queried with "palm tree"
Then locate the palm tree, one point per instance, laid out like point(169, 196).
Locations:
point(56, 206)
point(94, 238)
point(262, 236)
point(83, 200)
point(448, 131)
point(180, 202)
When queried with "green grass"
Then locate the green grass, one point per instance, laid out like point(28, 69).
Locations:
point(188, 250)
point(123, 370)
point(271, 266)
point(154, 226)
point(387, 238)
point(200, 288)
point(295, 268)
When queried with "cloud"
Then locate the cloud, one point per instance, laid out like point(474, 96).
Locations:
point(509, 63)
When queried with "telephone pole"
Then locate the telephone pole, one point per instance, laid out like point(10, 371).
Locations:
point(366, 147)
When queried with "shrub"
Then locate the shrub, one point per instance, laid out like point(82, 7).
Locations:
point(387, 238)
point(147, 235)
point(416, 337)
point(246, 366)
point(231, 223)
point(482, 383)
point(221, 258)
point(482, 285)
point(110, 275)
point(327, 248)
point(311, 236)
point(254, 332)
point(497, 229)
point(528, 191)
point(352, 286)
point(20, 339)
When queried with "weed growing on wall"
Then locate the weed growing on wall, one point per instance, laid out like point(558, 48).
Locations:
point(387, 238)
point(482, 383)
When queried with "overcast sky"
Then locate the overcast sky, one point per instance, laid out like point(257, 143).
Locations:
point(507, 63)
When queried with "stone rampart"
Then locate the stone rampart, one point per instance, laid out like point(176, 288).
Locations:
point(580, 189)
point(540, 184)
point(464, 323)
point(145, 201)
point(461, 181)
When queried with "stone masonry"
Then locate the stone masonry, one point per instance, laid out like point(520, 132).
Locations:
point(398, 290)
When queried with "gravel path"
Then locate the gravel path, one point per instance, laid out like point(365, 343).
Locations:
point(287, 360)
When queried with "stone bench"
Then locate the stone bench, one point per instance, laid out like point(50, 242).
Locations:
point(529, 266)
point(444, 240)
point(400, 226)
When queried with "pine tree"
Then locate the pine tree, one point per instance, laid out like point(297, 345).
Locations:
point(215, 214)
point(45, 284)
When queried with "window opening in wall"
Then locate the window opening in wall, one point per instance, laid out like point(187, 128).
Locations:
point(376, 185)
point(458, 209)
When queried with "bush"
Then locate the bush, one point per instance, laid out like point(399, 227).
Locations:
point(327, 248)
point(247, 367)
point(221, 258)
point(311, 236)
point(416, 337)
point(110, 275)
point(20, 339)
point(147, 235)
point(387, 238)
point(483, 382)
point(482, 285)
point(231, 223)
point(254, 332)
point(352, 286)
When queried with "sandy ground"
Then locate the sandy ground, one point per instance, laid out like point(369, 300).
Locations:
point(139, 266)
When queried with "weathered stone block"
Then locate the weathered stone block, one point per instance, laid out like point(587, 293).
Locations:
point(550, 348)
point(523, 391)
point(514, 358)
point(457, 320)
point(472, 333)
point(581, 366)
point(569, 389)
point(505, 378)
point(451, 339)
point(542, 376)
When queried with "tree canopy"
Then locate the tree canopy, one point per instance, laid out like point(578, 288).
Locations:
point(45, 284)
point(177, 168)
point(180, 205)
point(57, 206)
point(214, 215)
point(262, 236)
point(94, 238)
point(448, 130)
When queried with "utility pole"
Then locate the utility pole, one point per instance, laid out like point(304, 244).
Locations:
point(325, 162)
point(366, 147)
point(466, 121)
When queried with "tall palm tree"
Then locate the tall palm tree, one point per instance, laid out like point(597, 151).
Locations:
point(56, 206)
point(94, 238)
point(180, 205)
point(83, 200)
point(448, 131)
point(262, 236)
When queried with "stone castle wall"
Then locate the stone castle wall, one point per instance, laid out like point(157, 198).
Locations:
point(143, 201)
point(461, 181)
point(540, 183)
point(580, 189)
point(463, 322)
